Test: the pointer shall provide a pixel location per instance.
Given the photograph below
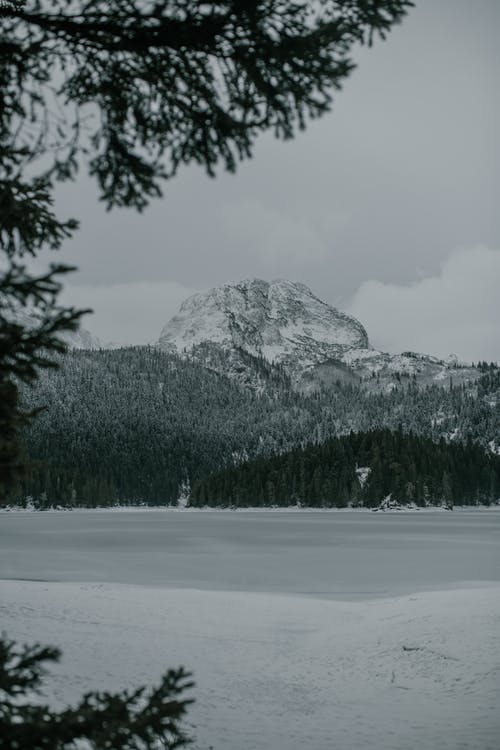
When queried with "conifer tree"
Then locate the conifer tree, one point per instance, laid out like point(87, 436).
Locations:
point(134, 90)
point(145, 718)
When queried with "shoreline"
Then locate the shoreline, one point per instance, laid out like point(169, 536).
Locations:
point(249, 509)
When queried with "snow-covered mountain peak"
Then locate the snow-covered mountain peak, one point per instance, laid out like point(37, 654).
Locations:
point(281, 321)
point(30, 318)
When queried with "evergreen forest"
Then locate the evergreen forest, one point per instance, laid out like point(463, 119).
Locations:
point(140, 426)
point(360, 470)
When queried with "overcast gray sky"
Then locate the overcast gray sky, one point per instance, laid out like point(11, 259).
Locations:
point(388, 207)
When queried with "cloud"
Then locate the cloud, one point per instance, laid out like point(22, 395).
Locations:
point(273, 238)
point(131, 313)
point(456, 311)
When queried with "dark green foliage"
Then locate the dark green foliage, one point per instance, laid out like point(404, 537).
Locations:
point(22, 347)
point(134, 90)
point(143, 719)
point(172, 81)
point(25, 339)
point(169, 82)
point(489, 382)
point(31, 321)
point(12, 466)
point(413, 470)
point(133, 425)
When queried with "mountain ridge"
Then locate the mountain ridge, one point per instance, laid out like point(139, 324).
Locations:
point(286, 324)
point(279, 320)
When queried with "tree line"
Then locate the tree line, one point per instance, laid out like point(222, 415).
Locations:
point(135, 425)
point(359, 470)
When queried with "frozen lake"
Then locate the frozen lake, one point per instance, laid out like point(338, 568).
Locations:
point(326, 555)
point(348, 630)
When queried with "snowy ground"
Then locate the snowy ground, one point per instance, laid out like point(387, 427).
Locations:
point(282, 672)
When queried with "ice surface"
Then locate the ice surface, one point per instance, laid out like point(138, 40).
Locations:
point(348, 665)
point(332, 555)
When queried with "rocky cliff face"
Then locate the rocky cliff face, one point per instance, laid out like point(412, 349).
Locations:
point(235, 327)
point(280, 321)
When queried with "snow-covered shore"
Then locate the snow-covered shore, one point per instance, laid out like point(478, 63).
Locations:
point(249, 509)
point(278, 672)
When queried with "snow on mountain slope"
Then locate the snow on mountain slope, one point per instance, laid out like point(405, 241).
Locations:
point(391, 369)
point(284, 323)
point(281, 321)
point(82, 339)
point(30, 318)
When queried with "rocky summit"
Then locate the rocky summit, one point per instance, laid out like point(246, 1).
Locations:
point(239, 329)
point(281, 321)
